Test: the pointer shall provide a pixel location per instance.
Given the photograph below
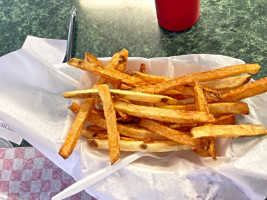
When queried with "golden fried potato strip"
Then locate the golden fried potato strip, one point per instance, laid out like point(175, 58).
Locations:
point(76, 128)
point(248, 90)
point(201, 103)
point(225, 119)
point(128, 95)
point(106, 72)
point(171, 134)
point(214, 108)
point(226, 83)
point(228, 131)
point(202, 76)
point(162, 114)
point(111, 122)
point(133, 146)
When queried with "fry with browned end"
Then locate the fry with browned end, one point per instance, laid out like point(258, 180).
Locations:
point(228, 131)
point(248, 90)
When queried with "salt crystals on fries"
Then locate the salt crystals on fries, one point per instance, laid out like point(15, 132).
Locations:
point(134, 111)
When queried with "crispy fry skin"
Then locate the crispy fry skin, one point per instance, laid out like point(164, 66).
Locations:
point(212, 96)
point(202, 76)
point(106, 72)
point(228, 130)
point(110, 115)
point(247, 90)
point(132, 146)
point(171, 134)
point(231, 107)
point(225, 119)
point(162, 114)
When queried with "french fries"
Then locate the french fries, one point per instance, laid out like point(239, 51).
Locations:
point(247, 90)
point(214, 108)
point(124, 94)
point(162, 114)
point(158, 146)
point(202, 77)
point(172, 134)
point(226, 83)
point(111, 121)
point(228, 130)
point(114, 75)
point(134, 111)
point(87, 106)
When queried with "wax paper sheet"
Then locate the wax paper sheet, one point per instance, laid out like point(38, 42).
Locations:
point(32, 104)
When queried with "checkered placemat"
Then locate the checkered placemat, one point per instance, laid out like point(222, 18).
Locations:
point(25, 174)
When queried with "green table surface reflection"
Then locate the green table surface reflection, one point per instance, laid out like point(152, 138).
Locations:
point(233, 28)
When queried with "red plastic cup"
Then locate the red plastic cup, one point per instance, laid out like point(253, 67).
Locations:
point(177, 15)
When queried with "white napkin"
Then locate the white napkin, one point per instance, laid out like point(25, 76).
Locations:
point(32, 105)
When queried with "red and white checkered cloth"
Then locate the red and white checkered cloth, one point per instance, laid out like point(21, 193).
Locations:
point(25, 173)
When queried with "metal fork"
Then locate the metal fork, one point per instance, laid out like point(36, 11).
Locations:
point(100, 175)
point(70, 34)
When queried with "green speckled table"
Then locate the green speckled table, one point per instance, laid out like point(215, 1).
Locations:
point(234, 28)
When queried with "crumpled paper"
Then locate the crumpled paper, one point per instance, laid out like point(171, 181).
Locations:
point(32, 104)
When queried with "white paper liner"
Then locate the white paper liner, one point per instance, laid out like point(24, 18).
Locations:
point(31, 102)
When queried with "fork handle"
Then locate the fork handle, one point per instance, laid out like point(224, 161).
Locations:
point(97, 176)
point(70, 35)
